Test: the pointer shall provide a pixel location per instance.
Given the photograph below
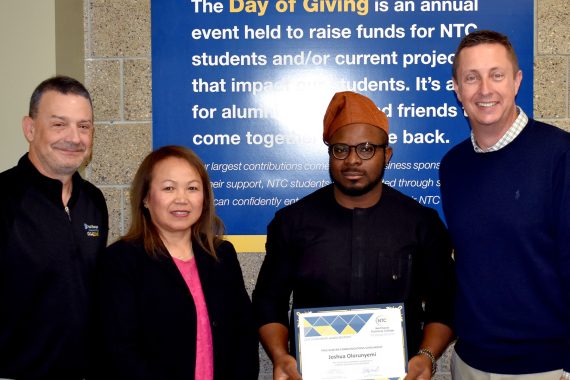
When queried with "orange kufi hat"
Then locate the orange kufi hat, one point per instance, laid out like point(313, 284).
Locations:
point(350, 108)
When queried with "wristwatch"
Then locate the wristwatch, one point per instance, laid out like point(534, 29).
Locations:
point(431, 356)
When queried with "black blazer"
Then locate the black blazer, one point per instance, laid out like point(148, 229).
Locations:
point(147, 318)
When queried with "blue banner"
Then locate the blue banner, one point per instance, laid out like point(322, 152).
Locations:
point(245, 84)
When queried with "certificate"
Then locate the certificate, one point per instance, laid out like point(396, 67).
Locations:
point(351, 343)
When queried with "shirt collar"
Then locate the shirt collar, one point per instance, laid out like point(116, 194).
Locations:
point(508, 137)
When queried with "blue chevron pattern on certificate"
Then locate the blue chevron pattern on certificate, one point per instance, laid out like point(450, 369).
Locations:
point(353, 343)
point(335, 324)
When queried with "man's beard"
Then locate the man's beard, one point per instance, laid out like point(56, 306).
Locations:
point(355, 192)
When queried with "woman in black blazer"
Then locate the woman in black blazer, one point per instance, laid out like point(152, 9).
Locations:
point(171, 298)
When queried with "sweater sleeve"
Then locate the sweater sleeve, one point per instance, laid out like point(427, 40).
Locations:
point(561, 208)
point(247, 355)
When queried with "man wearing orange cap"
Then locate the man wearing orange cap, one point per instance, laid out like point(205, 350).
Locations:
point(357, 242)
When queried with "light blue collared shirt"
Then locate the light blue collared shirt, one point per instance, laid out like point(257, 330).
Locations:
point(507, 138)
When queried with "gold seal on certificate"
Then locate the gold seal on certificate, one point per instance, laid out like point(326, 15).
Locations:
point(351, 343)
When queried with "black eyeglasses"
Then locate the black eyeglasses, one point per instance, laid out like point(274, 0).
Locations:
point(363, 150)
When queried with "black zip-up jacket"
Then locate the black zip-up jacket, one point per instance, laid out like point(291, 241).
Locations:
point(47, 263)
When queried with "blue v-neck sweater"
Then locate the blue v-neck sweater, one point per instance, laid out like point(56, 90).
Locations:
point(508, 214)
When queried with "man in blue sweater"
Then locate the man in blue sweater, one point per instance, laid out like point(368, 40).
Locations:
point(506, 198)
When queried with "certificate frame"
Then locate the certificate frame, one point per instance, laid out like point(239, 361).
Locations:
point(352, 342)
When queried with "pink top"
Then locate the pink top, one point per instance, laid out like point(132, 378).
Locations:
point(204, 347)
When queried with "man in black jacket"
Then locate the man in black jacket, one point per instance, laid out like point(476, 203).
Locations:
point(52, 226)
point(357, 242)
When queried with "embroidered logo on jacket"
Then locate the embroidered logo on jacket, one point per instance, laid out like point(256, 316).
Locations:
point(91, 230)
